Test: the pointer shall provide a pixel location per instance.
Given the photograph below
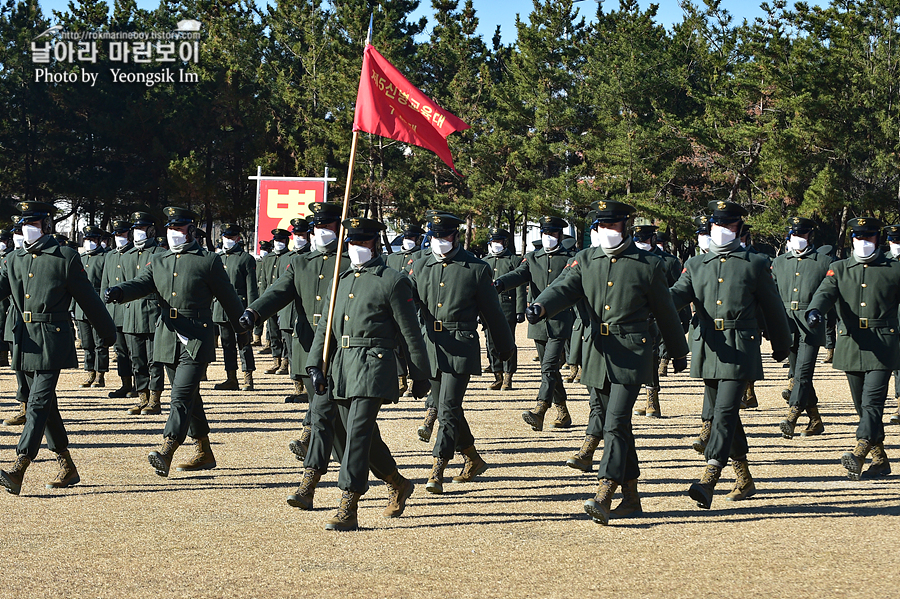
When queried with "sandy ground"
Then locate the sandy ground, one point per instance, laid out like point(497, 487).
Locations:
point(519, 531)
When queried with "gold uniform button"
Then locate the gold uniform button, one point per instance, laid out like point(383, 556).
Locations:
point(495, 270)
point(173, 294)
point(444, 265)
point(863, 284)
point(795, 290)
point(177, 256)
point(440, 305)
point(174, 274)
point(798, 274)
point(350, 296)
point(355, 275)
point(204, 325)
point(30, 275)
point(442, 283)
point(57, 329)
point(721, 280)
point(27, 296)
point(34, 255)
point(613, 260)
point(606, 307)
point(324, 257)
point(721, 259)
point(318, 298)
point(118, 266)
point(865, 266)
point(609, 283)
point(346, 317)
point(379, 356)
point(321, 276)
point(117, 278)
point(549, 270)
point(138, 266)
point(718, 302)
point(863, 304)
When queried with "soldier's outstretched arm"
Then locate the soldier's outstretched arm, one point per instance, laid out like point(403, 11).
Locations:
point(492, 313)
point(775, 319)
point(404, 308)
point(520, 275)
point(138, 287)
point(826, 294)
point(276, 296)
point(82, 291)
point(682, 291)
point(564, 292)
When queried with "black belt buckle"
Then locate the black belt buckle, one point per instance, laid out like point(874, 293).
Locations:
point(795, 306)
point(345, 341)
point(719, 324)
point(438, 326)
point(604, 328)
point(316, 318)
point(26, 316)
point(173, 313)
point(864, 323)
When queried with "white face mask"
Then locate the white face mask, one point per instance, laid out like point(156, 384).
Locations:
point(18, 240)
point(441, 247)
point(299, 242)
point(549, 241)
point(719, 235)
point(121, 241)
point(495, 247)
point(644, 246)
point(139, 235)
point(863, 248)
point(407, 244)
point(608, 238)
point(359, 254)
point(89, 246)
point(323, 237)
point(175, 237)
point(227, 243)
point(2, 246)
point(703, 242)
point(895, 249)
point(31, 233)
point(595, 238)
point(263, 253)
point(279, 246)
point(797, 244)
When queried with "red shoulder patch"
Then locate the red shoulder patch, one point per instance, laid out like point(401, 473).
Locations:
point(574, 263)
point(830, 273)
point(683, 270)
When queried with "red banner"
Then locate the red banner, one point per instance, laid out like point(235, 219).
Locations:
point(390, 106)
point(280, 200)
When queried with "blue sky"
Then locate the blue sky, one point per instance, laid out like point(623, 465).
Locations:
point(503, 12)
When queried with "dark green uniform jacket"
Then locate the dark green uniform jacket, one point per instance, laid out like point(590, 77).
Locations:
point(93, 268)
point(374, 312)
point(797, 279)
point(866, 297)
point(671, 264)
point(186, 283)
point(538, 269)
point(241, 270)
point(403, 260)
point(727, 291)
point(268, 269)
point(452, 293)
point(141, 315)
point(287, 316)
point(620, 294)
point(512, 300)
point(113, 275)
point(4, 304)
point(41, 284)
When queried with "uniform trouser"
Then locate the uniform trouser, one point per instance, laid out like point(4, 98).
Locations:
point(402, 366)
point(287, 342)
point(869, 392)
point(576, 345)
point(147, 373)
point(803, 357)
point(551, 354)
point(709, 403)
point(656, 337)
point(830, 327)
point(96, 355)
point(24, 388)
point(329, 437)
point(230, 350)
point(359, 417)
point(186, 413)
point(454, 435)
point(896, 384)
point(619, 461)
point(123, 358)
point(275, 337)
point(42, 417)
point(498, 365)
point(728, 438)
point(596, 415)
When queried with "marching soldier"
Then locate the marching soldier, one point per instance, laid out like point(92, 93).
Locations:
point(287, 317)
point(8, 335)
point(622, 286)
point(96, 354)
point(702, 230)
point(727, 286)
point(538, 270)
point(186, 278)
point(798, 273)
point(265, 247)
point(373, 312)
point(453, 288)
point(41, 280)
point(865, 290)
point(140, 319)
point(241, 270)
point(750, 399)
point(512, 302)
point(402, 261)
point(268, 273)
point(114, 268)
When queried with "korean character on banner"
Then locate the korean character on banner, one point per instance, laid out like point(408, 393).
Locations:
point(403, 98)
point(119, 51)
point(64, 51)
point(141, 52)
point(87, 52)
point(390, 91)
point(165, 52)
point(381, 81)
point(414, 103)
point(375, 76)
point(188, 51)
point(40, 55)
point(426, 112)
point(438, 119)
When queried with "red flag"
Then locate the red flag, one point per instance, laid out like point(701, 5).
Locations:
point(390, 106)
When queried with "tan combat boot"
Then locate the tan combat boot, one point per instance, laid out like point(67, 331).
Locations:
point(19, 418)
point(631, 501)
point(573, 372)
point(162, 460)
point(427, 427)
point(257, 341)
point(744, 486)
point(266, 348)
point(750, 400)
point(403, 384)
point(203, 458)
point(143, 402)
point(815, 426)
point(578, 376)
point(699, 443)
point(303, 496)
point(345, 519)
point(123, 391)
point(507, 382)
point(12, 478)
point(853, 460)
point(285, 367)
point(473, 465)
point(663, 371)
point(247, 383)
point(895, 419)
point(68, 474)
point(786, 392)
point(563, 418)
point(829, 356)
point(300, 446)
point(639, 411)
point(230, 383)
point(653, 410)
point(498, 382)
point(583, 459)
point(598, 507)
point(276, 364)
point(101, 380)
point(880, 466)
point(790, 423)
point(436, 478)
point(400, 490)
point(89, 377)
point(154, 404)
point(702, 492)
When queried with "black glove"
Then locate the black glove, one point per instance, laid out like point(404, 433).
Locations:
point(113, 295)
point(520, 317)
point(243, 339)
point(500, 286)
point(679, 364)
point(421, 388)
point(248, 319)
point(814, 319)
point(533, 313)
point(780, 355)
point(317, 378)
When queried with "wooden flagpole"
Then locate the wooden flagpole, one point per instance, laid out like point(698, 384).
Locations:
point(337, 262)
